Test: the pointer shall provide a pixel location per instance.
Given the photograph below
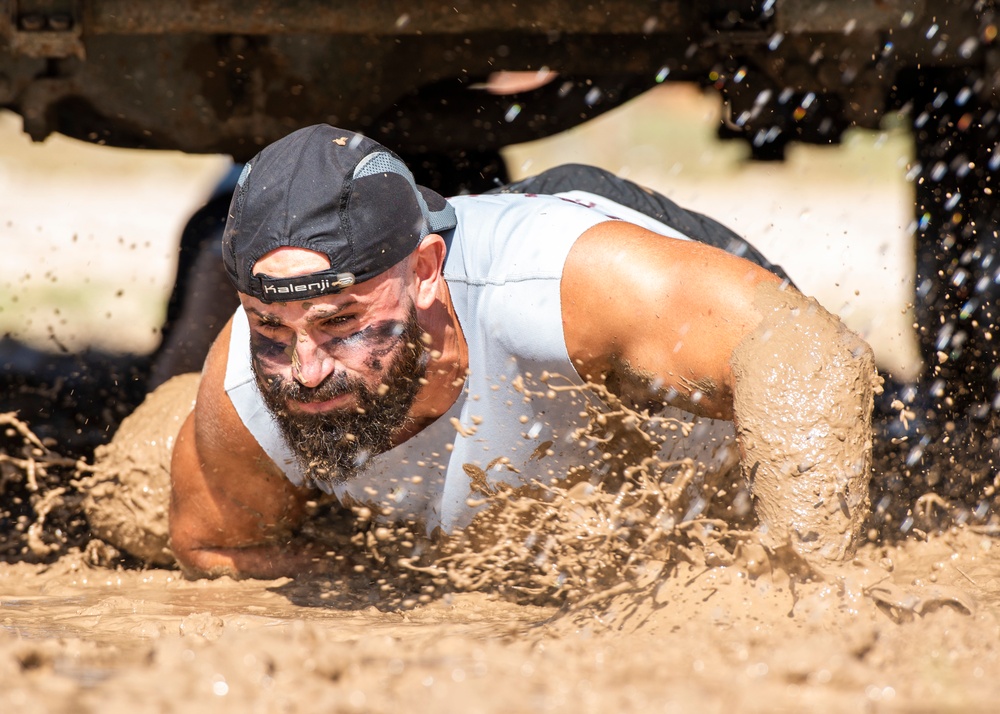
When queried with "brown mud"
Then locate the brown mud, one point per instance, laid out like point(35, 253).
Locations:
point(584, 597)
point(721, 626)
point(908, 628)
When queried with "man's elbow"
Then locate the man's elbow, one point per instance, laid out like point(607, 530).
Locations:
point(197, 559)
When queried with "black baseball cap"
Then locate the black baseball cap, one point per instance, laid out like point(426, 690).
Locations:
point(332, 191)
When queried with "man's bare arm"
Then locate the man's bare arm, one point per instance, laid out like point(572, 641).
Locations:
point(219, 526)
point(723, 337)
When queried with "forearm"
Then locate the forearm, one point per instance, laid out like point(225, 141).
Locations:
point(803, 386)
point(265, 561)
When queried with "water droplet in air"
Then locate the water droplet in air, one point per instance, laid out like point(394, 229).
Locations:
point(994, 162)
point(967, 48)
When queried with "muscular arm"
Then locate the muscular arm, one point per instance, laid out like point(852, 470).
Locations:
point(642, 308)
point(232, 512)
point(721, 337)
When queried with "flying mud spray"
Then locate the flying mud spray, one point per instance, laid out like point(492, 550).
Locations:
point(652, 586)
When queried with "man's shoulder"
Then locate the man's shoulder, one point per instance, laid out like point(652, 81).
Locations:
point(213, 407)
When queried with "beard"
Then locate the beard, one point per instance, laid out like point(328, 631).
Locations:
point(334, 447)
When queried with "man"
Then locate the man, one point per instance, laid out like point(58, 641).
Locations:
point(394, 348)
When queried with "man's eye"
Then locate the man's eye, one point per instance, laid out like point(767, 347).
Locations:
point(272, 331)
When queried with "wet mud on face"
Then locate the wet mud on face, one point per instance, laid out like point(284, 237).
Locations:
point(593, 596)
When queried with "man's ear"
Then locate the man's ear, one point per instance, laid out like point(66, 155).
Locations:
point(428, 266)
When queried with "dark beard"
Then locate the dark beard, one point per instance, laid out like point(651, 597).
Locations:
point(335, 446)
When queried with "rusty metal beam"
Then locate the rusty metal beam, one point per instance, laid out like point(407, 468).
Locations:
point(381, 17)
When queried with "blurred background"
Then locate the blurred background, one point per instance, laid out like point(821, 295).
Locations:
point(89, 234)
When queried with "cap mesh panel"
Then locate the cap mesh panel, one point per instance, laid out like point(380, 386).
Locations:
point(379, 162)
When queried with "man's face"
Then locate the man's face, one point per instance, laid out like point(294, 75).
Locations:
point(338, 373)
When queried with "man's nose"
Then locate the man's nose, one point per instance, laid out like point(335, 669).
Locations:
point(310, 364)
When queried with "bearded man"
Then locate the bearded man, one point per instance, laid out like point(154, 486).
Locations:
point(392, 347)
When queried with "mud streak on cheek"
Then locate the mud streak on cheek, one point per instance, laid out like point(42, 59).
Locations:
point(269, 352)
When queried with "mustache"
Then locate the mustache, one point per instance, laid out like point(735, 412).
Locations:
point(336, 384)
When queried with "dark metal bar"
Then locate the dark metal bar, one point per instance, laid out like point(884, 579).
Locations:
point(379, 17)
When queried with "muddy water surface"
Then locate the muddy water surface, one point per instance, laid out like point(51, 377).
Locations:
point(909, 627)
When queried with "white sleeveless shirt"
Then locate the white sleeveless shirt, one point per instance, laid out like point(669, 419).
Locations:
point(517, 420)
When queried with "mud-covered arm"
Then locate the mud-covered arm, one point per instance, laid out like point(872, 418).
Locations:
point(803, 387)
point(686, 324)
point(232, 511)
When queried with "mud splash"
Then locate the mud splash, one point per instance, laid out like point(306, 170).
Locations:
point(40, 513)
point(621, 595)
point(903, 628)
point(128, 494)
